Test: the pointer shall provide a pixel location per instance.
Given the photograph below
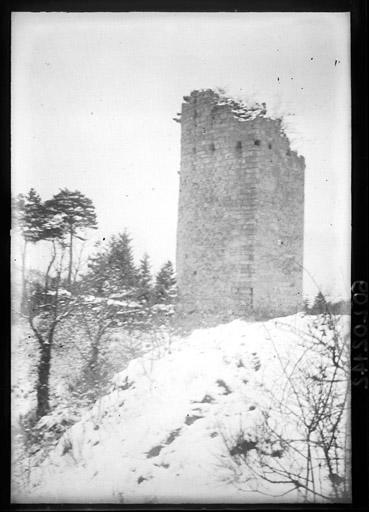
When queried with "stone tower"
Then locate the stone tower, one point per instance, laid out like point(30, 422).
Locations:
point(241, 212)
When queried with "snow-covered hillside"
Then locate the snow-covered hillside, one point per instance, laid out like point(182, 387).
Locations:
point(166, 431)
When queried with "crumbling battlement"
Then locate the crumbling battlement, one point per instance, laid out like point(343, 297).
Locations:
point(241, 211)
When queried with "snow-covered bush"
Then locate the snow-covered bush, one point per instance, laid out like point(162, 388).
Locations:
point(301, 442)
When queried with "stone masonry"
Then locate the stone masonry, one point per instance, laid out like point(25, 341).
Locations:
point(241, 212)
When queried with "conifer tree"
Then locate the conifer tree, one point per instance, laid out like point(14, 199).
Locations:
point(165, 284)
point(35, 223)
point(145, 289)
point(72, 212)
point(112, 269)
point(28, 215)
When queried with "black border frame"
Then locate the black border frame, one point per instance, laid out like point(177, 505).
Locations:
point(359, 262)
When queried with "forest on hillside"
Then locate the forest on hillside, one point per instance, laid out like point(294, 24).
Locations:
point(73, 311)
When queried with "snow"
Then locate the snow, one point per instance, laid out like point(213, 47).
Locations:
point(165, 308)
point(157, 437)
point(240, 110)
point(23, 358)
point(92, 299)
point(62, 291)
point(125, 303)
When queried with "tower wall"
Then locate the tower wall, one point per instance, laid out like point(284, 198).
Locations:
point(240, 222)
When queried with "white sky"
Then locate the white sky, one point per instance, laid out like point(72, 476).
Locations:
point(93, 96)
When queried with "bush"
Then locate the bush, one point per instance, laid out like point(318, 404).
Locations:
point(300, 444)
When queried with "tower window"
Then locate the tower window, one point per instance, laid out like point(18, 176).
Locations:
point(212, 147)
point(270, 145)
point(257, 142)
point(239, 146)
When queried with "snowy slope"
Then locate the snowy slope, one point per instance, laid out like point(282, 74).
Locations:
point(158, 435)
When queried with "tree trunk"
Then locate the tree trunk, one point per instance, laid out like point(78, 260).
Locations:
point(23, 292)
point(43, 379)
point(70, 258)
point(49, 268)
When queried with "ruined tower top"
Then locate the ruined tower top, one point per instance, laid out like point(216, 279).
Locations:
point(238, 109)
point(240, 223)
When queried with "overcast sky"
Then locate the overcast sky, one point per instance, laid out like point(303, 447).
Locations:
point(94, 94)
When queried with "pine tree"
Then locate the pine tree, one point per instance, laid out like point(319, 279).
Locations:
point(112, 269)
point(33, 220)
point(72, 212)
point(28, 215)
point(145, 289)
point(165, 284)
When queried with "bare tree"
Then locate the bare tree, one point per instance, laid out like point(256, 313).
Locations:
point(48, 305)
point(301, 443)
